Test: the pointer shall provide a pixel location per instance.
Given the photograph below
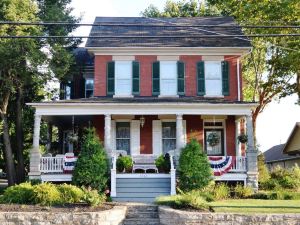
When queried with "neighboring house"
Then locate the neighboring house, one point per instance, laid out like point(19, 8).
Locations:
point(157, 83)
point(285, 155)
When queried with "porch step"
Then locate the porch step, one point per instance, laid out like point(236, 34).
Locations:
point(142, 215)
point(141, 189)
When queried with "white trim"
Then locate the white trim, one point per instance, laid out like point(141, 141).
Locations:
point(156, 137)
point(135, 137)
point(169, 51)
point(56, 177)
point(212, 58)
point(142, 175)
point(168, 96)
point(238, 78)
point(232, 177)
point(168, 58)
point(123, 57)
point(209, 117)
point(122, 96)
point(213, 96)
point(142, 108)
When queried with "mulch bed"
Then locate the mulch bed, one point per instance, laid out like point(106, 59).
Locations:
point(65, 208)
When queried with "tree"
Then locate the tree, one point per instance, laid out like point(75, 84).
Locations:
point(272, 70)
point(263, 172)
point(91, 168)
point(194, 168)
point(20, 76)
point(191, 8)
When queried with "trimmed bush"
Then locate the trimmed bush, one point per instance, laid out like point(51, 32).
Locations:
point(194, 168)
point(92, 197)
point(47, 194)
point(221, 192)
point(70, 194)
point(241, 191)
point(184, 201)
point(18, 194)
point(124, 163)
point(163, 163)
point(91, 169)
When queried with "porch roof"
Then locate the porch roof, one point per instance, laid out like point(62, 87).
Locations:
point(144, 106)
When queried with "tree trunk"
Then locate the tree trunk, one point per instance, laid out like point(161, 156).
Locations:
point(10, 167)
point(20, 137)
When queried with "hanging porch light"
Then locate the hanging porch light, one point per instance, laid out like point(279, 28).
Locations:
point(142, 121)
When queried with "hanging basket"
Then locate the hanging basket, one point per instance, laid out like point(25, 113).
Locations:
point(243, 138)
point(213, 139)
point(73, 138)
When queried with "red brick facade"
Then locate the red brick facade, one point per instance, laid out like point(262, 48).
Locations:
point(146, 75)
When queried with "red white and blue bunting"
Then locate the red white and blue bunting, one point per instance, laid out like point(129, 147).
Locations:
point(221, 164)
point(69, 163)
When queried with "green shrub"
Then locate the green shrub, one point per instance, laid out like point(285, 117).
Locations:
point(221, 191)
point(241, 191)
point(263, 172)
point(18, 194)
point(260, 195)
point(92, 197)
point(70, 194)
point(270, 184)
point(207, 196)
point(124, 163)
point(91, 169)
point(163, 163)
point(47, 194)
point(183, 201)
point(194, 168)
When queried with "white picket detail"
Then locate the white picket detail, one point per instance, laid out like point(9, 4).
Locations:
point(239, 165)
point(52, 164)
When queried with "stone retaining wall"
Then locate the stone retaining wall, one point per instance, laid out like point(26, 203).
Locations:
point(170, 216)
point(113, 216)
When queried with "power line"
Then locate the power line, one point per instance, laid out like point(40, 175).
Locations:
point(146, 25)
point(158, 36)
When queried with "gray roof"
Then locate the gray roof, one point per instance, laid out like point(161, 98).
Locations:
point(158, 27)
point(276, 154)
point(196, 100)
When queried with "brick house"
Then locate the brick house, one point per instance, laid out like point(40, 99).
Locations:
point(150, 85)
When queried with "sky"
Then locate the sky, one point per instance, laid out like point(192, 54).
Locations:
point(274, 125)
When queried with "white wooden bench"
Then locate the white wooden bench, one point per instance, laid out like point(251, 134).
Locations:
point(144, 162)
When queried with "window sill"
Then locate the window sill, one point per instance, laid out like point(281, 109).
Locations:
point(123, 96)
point(213, 96)
point(168, 96)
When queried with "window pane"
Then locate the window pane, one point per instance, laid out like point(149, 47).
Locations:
point(123, 144)
point(169, 144)
point(213, 70)
point(89, 93)
point(89, 84)
point(168, 87)
point(123, 130)
point(123, 70)
point(217, 149)
point(168, 70)
point(213, 87)
point(68, 93)
point(169, 130)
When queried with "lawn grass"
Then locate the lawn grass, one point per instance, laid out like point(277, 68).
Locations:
point(256, 206)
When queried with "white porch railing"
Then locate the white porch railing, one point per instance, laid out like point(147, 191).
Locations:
point(173, 176)
point(113, 176)
point(52, 164)
point(239, 165)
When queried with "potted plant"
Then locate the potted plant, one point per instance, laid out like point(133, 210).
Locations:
point(163, 163)
point(124, 164)
point(243, 138)
point(213, 139)
point(73, 138)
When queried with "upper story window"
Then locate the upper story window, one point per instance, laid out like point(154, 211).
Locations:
point(168, 78)
point(66, 89)
point(89, 87)
point(123, 78)
point(213, 78)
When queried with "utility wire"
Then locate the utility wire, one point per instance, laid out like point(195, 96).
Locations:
point(145, 25)
point(159, 36)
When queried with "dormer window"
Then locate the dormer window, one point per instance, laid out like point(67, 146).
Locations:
point(89, 87)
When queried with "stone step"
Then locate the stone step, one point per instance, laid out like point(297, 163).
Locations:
point(141, 222)
point(141, 215)
point(142, 208)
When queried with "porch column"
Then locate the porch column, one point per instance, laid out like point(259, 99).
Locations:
point(35, 155)
point(107, 134)
point(179, 132)
point(251, 154)
point(237, 133)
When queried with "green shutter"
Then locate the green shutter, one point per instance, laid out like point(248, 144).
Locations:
point(180, 78)
point(135, 78)
point(110, 78)
point(225, 78)
point(155, 78)
point(200, 78)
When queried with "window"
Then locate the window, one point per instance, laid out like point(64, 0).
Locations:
point(89, 87)
point(123, 136)
point(168, 136)
point(213, 78)
point(67, 90)
point(212, 127)
point(123, 78)
point(168, 78)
